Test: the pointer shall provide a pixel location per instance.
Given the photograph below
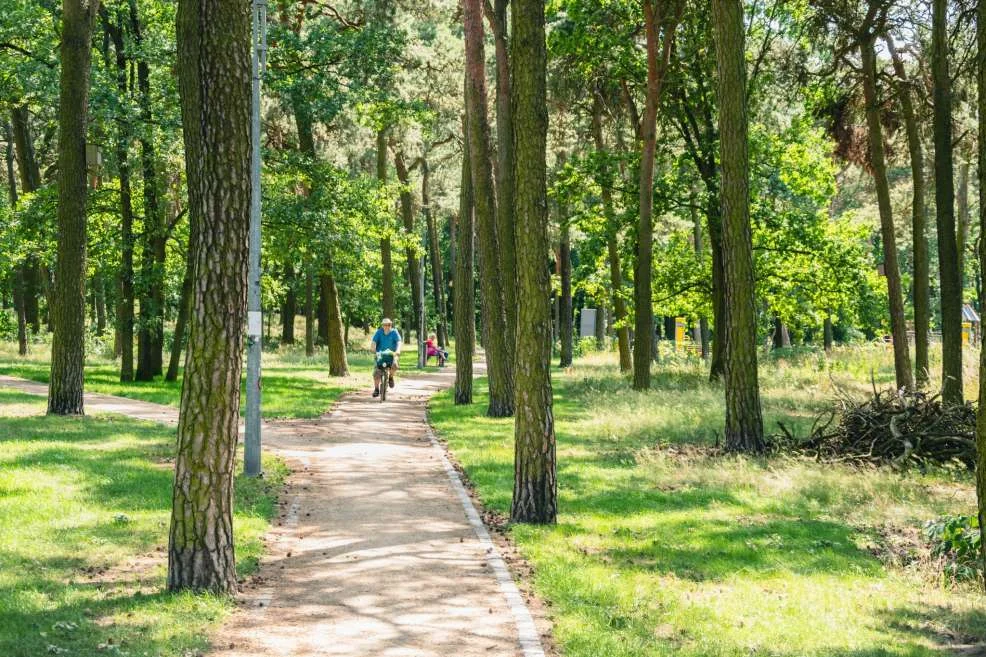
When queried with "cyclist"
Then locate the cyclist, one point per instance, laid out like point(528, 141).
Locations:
point(387, 338)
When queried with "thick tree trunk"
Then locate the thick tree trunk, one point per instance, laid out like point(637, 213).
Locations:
point(505, 183)
point(290, 307)
point(948, 258)
point(338, 365)
point(410, 253)
point(386, 255)
point(613, 250)
point(214, 82)
point(435, 255)
point(309, 313)
point(499, 352)
point(68, 314)
point(744, 423)
point(535, 496)
point(902, 360)
point(184, 309)
point(981, 412)
point(463, 288)
point(921, 284)
point(566, 317)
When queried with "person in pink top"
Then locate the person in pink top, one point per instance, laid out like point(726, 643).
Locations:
point(431, 349)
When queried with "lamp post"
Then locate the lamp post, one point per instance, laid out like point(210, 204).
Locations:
point(251, 448)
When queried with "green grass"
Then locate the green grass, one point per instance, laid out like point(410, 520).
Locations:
point(663, 548)
point(80, 500)
point(294, 385)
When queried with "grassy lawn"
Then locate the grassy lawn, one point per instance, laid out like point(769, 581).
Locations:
point(295, 386)
point(663, 548)
point(84, 510)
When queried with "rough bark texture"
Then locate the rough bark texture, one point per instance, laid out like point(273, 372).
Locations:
point(386, 256)
point(981, 412)
point(921, 284)
point(214, 82)
point(902, 359)
point(948, 259)
point(744, 424)
point(463, 287)
point(566, 317)
point(68, 314)
point(435, 256)
point(411, 253)
point(505, 171)
point(499, 353)
point(613, 251)
point(535, 496)
point(290, 307)
point(338, 365)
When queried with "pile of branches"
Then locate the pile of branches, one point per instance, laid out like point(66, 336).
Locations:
point(898, 428)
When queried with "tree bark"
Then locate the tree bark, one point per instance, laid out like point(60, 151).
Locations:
point(410, 253)
point(919, 209)
point(386, 256)
point(68, 313)
point(338, 365)
point(214, 84)
point(962, 212)
point(499, 352)
point(981, 411)
point(290, 307)
point(535, 497)
point(435, 255)
point(948, 258)
point(613, 250)
point(463, 288)
point(902, 360)
point(184, 309)
point(505, 183)
point(827, 337)
point(658, 55)
point(744, 423)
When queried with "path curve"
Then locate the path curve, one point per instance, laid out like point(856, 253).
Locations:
point(378, 551)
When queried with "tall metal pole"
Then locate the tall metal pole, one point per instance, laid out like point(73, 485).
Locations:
point(251, 460)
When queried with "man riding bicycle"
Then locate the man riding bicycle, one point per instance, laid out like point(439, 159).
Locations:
point(386, 345)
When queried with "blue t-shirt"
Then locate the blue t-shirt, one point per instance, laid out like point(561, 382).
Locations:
point(387, 340)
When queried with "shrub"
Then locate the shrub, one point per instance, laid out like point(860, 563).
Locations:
point(956, 541)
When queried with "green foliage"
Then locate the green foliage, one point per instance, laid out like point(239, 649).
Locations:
point(956, 541)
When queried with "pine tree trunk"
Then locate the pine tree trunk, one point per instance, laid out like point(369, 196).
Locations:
point(386, 255)
point(902, 359)
point(68, 314)
point(948, 258)
point(184, 309)
point(962, 212)
point(919, 210)
point(290, 307)
point(338, 365)
point(463, 288)
point(566, 317)
point(435, 255)
point(505, 183)
point(213, 56)
point(535, 497)
point(499, 352)
point(410, 253)
point(744, 424)
point(717, 368)
point(981, 412)
point(309, 313)
point(827, 334)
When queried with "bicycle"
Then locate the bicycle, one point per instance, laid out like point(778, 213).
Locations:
point(385, 361)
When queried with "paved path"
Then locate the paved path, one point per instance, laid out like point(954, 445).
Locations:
point(377, 552)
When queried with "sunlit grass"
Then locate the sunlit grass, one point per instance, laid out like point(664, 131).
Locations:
point(84, 511)
point(662, 548)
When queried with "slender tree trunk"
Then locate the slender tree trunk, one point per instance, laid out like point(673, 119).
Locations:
point(214, 57)
point(703, 322)
point(505, 183)
point(290, 307)
point(184, 309)
point(535, 496)
point(827, 334)
point(744, 424)
point(17, 275)
point(902, 360)
point(658, 54)
point(68, 314)
point(323, 311)
point(99, 300)
point(613, 250)
point(30, 174)
point(566, 317)
point(948, 258)
point(919, 209)
point(309, 313)
point(981, 411)
point(411, 253)
point(386, 256)
point(463, 288)
point(717, 368)
point(962, 212)
point(338, 365)
point(438, 288)
point(499, 352)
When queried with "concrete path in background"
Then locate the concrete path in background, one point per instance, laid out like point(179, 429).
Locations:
point(377, 550)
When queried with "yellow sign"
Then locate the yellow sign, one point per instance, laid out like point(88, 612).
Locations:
point(679, 330)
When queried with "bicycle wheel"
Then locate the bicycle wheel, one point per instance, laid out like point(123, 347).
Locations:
point(384, 384)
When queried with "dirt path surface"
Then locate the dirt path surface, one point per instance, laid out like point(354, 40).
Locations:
point(377, 551)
